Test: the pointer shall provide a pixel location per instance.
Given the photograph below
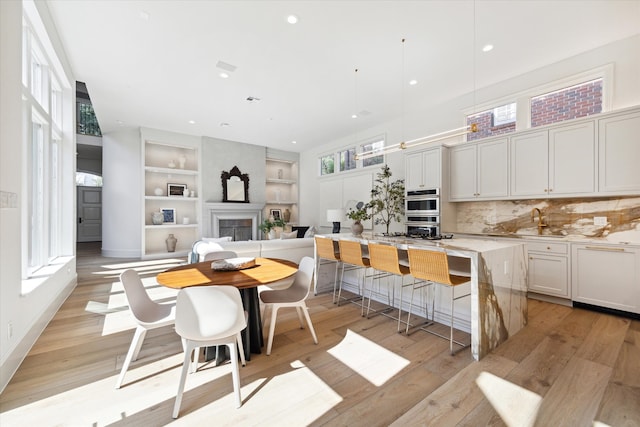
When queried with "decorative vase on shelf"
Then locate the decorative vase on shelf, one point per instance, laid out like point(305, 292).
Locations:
point(157, 218)
point(185, 192)
point(171, 243)
point(279, 173)
point(286, 215)
point(158, 191)
point(172, 164)
point(356, 228)
point(182, 160)
point(272, 234)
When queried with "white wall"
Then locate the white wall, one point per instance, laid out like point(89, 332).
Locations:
point(121, 194)
point(624, 55)
point(220, 155)
point(27, 312)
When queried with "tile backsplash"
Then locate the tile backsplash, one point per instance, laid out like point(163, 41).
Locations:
point(619, 218)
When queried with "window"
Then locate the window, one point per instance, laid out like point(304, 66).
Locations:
point(88, 179)
point(327, 164)
point(347, 159)
point(569, 98)
point(580, 100)
point(496, 121)
point(43, 94)
point(373, 145)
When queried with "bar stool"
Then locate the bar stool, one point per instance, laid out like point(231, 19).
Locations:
point(351, 254)
point(385, 259)
point(328, 250)
point(433, 266)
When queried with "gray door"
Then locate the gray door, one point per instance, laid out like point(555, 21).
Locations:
point(89, 214)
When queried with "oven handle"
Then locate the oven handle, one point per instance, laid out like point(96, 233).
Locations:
point(422, 223)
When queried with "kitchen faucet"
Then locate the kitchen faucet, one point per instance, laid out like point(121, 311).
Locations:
point(541, 223)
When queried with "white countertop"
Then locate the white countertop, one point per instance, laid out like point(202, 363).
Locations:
point(550, 238)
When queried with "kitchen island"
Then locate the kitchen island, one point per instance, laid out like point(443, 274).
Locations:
point(498, 274)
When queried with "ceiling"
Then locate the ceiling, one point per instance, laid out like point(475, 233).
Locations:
point(156, 63)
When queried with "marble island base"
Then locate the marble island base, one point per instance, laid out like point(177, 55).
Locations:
point(497, 306)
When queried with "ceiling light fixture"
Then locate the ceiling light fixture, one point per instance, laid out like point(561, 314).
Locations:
point(292, 19)
point(253, 99)
point(413, 82)
point(224, 125)
point(192, 122)
point(487, 48)
point(294, 142)
point(418, 141)
point(224, 75)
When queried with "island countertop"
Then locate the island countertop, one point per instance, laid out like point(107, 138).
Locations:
point(498, 282)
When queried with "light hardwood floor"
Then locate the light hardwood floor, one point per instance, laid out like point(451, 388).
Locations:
point(584, 366)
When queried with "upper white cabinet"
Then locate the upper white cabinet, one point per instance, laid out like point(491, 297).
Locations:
point(606, 276)
point(423, 169)
point(479, 170)
point(619, 154)
point(282, 185)
point(171, 186)
point(555, 162)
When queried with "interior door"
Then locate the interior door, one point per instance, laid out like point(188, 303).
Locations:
point(89, 221)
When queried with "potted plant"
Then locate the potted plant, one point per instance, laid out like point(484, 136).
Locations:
point(357, 215)
point(269, 224)
point(387, 199)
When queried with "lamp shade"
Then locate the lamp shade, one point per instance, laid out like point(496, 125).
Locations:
point(335, 215)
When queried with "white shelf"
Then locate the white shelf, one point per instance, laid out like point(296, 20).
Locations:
point(172, 198)
point(167, 226)
point(280, 181)
point(170, 171)
point(280, 202)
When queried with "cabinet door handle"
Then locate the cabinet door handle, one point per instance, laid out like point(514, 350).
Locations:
point(545, 190)
point(598, 248)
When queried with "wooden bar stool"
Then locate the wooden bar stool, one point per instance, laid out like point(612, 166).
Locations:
point(385, 259)
point(328, 250)
point(351, 254)
point(433, 266)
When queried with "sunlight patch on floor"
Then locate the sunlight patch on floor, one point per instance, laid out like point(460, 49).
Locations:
point(117, 315)
point(374, 363)
point(296, 397)
point(516, 406)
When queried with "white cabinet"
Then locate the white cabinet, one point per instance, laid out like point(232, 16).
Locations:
point(557, 162)
point(619, 154)
point(282, 188)
point(479, 170)
point(549, 268)
point(423, 169)
point(170, 169)
point(606, 276)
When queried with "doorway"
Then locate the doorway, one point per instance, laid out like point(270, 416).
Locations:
point(89, 214)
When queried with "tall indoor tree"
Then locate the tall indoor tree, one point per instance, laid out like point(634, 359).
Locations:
point(387, 199)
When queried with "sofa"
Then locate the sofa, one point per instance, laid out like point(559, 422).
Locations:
point(289, 249)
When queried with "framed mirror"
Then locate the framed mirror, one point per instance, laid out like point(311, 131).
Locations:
point(235, 186)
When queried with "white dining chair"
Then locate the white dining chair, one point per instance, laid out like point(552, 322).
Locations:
point(293, 296)
point(216, 255)
point(147, 313)
point(210, 316)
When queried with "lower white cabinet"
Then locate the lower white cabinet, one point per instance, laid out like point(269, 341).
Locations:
point(606, 276)
point(549, 269)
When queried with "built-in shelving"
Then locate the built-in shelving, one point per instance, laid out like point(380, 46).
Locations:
point(170, 166)
point(281, 185)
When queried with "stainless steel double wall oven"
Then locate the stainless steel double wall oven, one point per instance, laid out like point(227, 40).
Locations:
point(422, 211)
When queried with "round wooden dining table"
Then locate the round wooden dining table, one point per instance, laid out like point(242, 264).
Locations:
point(266, 271)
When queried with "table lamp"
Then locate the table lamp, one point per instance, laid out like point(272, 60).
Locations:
point(335, 216)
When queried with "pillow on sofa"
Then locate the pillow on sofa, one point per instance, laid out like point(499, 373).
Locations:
point(301, 230)
point(310, 232)
point(217, 239)
point(291, 235)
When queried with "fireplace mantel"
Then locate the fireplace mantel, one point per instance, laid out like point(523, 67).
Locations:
point(217, 211)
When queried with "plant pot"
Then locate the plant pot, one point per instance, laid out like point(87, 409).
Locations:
point(356, 228)
point(271, 234)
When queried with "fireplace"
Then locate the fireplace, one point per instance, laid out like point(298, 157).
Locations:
point(238, 220)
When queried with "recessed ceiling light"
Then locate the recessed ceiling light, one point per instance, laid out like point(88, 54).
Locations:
point(253, 99)
point(487, 48)
point(192, 122)
point(294, 142)
point(292, 19)
point(413, 82)
point(120, 122)
point(144, 15)
point(224, 75)
point(224, 125)
point(354, 116)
